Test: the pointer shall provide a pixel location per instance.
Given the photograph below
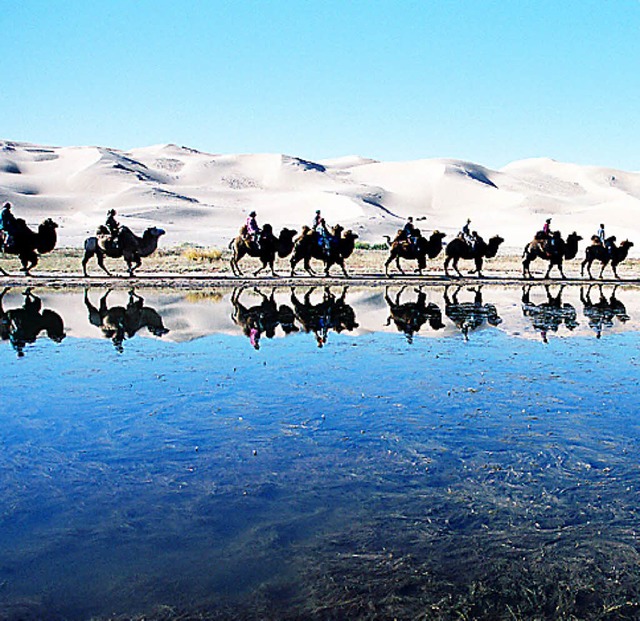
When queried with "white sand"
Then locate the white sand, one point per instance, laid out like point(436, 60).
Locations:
point(203, 198)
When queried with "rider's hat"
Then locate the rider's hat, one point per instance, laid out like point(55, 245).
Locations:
point(6, 206)
point(111, 212)
point(252, 214)
point(317, 211)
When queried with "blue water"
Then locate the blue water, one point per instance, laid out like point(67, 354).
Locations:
point(209, 476)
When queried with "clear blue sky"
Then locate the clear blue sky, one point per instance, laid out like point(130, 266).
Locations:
point(486, 81)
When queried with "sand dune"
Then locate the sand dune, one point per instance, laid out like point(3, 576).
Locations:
point(203, 198)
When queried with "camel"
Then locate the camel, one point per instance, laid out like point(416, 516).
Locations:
point(468, 316)
point(554, 250)
point(601, 314)
point(550, 314)
point(308, 245)
point(458, 249)
point(23, 325)
point(419, 251)
point(119, 322)
point(332, 313)
point(28, 244)
point(409, 317)
point(261, 318)
point(130, 247)
point(606, 253)
point(270, 245)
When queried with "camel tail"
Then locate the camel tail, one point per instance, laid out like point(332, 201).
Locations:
point(231, 244)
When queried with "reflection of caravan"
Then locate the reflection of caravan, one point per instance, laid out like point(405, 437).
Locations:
point(119, 322)
point(23, 325)
point(331, 313)
point(469, 316)
point(261, 318)
point(601, 314)
point(550, 314)
point(409, 317)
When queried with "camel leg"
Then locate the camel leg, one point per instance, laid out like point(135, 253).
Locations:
point(260, 269)
point(455, 267)
point(615, 271)
point(344, 271)
point(100, 259)
point(386, 265)
point(582, 267)
point(399, 266)
point(446, 266)
point(3, 272)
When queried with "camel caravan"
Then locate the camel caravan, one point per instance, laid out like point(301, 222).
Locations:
point(327, 245)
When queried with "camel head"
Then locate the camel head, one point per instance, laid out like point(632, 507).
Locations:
point(48, 224)
point(626, 244)
point(437, 236)
point(154, 231)
point(336, 231)
point(288, 234)
point(349, 234)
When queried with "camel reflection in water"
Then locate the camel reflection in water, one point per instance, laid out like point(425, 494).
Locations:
point(469, 316)
point(120, 322)
point(262, 318)
point(409, 317)
point(21, 326)
point(331, 313)
point(549, 315)
point(601, 314)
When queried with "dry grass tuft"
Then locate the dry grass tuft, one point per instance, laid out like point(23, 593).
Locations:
point(202, 254)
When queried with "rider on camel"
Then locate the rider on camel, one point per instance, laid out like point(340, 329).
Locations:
point(113, 226)
point(253, 230)
point(8, 226)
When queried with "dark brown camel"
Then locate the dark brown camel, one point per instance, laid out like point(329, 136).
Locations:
point(130, 247)
point(554, 250)
point(120, 322)
point(419, 251)
point(458, 249)
point(607, 253)
point(28, 244)
point(409, 317)
point(309, 245)
point(23, 325)
point(269, 247)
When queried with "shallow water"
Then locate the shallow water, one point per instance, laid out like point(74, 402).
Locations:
point(469, 458)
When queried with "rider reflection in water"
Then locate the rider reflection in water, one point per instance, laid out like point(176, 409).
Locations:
point(22, 326)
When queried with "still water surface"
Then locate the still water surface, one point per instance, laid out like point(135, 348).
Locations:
point(434, 453)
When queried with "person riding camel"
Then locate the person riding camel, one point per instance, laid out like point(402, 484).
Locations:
point(600, 235)
point(553, 245)
point(317, 221)
point(8, 226)
point(324, 236)
point(546, 228)
point(610, 245)
point(253, 230)
point(475, 240)
point(113, 227)
point(465, 233)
